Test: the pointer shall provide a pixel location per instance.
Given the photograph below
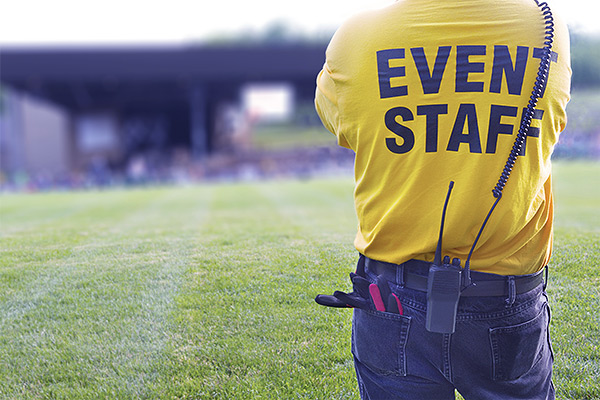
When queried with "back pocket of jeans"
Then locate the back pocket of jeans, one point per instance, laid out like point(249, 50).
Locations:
point(379, 341)
point(518, 348)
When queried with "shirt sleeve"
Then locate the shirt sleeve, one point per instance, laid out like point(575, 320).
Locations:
point(327, 106)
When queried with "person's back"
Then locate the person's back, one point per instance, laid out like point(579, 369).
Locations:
point(426, 92)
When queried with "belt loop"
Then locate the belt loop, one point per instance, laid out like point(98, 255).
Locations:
point(400, 275)
point(546, 278)
point(512, 291)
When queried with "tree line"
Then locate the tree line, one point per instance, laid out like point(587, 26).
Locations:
point(585, 60)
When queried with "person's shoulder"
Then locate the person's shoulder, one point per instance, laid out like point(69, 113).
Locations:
point(348, 36)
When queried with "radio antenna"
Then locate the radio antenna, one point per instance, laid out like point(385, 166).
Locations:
point(437, 260)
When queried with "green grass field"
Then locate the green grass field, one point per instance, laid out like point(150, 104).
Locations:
point(206, 292)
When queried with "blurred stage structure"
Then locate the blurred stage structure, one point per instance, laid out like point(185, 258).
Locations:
point(104, 105)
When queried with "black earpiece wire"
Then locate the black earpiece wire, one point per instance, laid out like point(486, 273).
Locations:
point(541, 79)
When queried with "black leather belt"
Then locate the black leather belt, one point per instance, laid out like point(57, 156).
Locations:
point(484, 284)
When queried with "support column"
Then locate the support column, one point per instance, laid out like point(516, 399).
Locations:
point(12, 136)
point(198, 121)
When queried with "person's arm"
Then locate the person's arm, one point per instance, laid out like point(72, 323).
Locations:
point(326, 104)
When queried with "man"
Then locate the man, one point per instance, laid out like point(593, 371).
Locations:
point(431, 92)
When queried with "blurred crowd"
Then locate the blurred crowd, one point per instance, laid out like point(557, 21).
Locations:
point(152, 169)
point(309, 162)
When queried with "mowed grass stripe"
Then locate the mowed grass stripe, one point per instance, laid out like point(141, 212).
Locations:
point(34, 268)
point(105, 312)
point(31, 213)
point(24, 213)
point(300, 206)
point(249, 327)
point(75, 218)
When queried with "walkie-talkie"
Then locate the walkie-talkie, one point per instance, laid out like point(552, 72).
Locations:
point(443, 286)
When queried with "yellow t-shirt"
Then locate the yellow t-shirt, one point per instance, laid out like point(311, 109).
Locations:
point(426, 92)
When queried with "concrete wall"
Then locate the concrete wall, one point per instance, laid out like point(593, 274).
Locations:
point(35, 137)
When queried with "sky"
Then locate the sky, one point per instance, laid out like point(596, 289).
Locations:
point(78, 22)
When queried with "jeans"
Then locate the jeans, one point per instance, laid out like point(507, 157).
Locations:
point(500, 349)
